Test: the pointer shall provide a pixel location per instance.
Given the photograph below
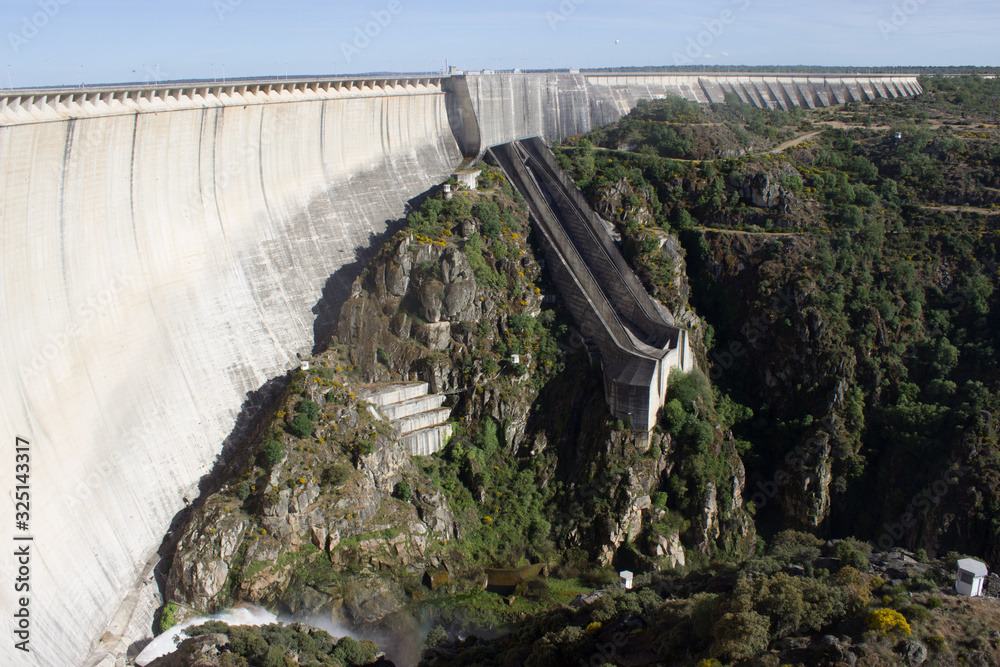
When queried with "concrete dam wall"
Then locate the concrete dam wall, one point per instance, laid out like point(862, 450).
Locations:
point(168, 250)
point(157, 267)
point(559, 105)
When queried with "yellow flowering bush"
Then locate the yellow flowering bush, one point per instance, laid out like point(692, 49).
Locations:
point(888, 622)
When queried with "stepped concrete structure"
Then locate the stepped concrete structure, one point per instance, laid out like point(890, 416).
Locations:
point(417, 415)
point(168, 250)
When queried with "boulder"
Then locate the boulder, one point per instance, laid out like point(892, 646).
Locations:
point(915, 653)
point(436, 336)
point(460, 301)
point(429, 294)
point(761, 191)
point(370, 599)
point(397, 277)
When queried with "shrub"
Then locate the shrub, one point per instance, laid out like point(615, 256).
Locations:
point(437, 636)
point(309, 408)
point(168, 618)
point(243, 490)
point(935, 643)
point(703, 613)
point(792, 182)
point(402, 491)
point(488, 440)
point(354, 652)
point(489, 214)
point(916, 612)
point(674, 416)
point(920, 585)
point(336, 474)
point(600, 578)
point(271, 452)
point(302, 426)
point(933, 602)
point(856, 585)
point(740, 635)
point(850, 555)
point(792, 547)
point(690, 388)
point(275, 657)
point(490, 366)
point(888, 622)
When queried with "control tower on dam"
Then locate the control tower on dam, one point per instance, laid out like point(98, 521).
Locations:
point(168, 250)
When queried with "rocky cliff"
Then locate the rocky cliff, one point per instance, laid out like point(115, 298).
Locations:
point(334, 518)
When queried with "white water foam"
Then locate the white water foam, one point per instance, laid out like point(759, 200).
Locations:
point(167, 642)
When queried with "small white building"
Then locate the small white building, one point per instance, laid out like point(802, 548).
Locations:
point(626, 579)
point(469, 179)
point(971, 577)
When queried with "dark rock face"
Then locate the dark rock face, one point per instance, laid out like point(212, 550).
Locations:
point(761, 191)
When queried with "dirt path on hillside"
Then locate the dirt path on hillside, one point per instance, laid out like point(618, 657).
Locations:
point(791, 143)
point(746, 233)
point(961, 209)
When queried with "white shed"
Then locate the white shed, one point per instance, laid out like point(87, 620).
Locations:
point(626, 579)
point(971, 577)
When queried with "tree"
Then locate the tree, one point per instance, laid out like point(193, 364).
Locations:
point(780, 598)
point(741, 635)
point(684, 220)
point(489, 215)
point(302, 426)
point(272, 452)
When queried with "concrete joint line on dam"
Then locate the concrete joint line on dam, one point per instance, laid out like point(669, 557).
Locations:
point(240, 214)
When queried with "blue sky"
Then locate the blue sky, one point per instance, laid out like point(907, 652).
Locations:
point(68, 42)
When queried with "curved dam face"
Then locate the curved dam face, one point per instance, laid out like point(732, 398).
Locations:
point(163, 252)
point(558, 105)
point(156, 268)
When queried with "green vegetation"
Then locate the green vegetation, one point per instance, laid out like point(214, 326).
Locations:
point(302, 424)
point(402, 491)
point(271, 452)
point(497, 498)
point(874, 300)
point(167, 616)
point(691, 415)
point(278, 645)
point(745, 618)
